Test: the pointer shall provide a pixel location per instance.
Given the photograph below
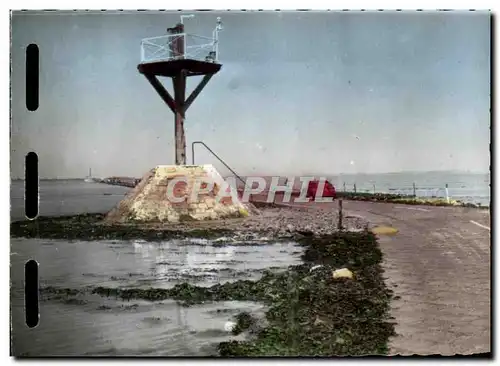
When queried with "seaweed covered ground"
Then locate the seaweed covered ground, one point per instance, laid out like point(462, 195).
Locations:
point(404, 199)
point(310, 313)
point(273, 222)
point(91, 227)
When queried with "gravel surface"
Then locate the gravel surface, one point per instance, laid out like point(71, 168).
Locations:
point(285, 221)
point(276, 221)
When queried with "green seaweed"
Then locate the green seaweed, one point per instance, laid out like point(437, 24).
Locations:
point(91, 227)
point(244, 321)
point(404, 199)
point(312, 314)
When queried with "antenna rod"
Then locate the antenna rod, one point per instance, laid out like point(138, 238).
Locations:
point(215, 36)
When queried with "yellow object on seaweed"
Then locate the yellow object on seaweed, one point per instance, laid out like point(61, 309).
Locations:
point(384, 230)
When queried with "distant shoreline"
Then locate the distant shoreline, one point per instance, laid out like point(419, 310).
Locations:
point(457, 172)
point(52, 180)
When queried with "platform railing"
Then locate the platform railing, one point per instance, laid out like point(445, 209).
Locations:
point(162, 48)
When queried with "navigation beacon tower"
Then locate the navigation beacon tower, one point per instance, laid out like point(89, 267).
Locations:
point(179, 55)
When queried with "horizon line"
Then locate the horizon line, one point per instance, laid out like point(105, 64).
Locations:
point(305, 175)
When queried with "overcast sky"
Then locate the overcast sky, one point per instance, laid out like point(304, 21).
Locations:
point(344, 92)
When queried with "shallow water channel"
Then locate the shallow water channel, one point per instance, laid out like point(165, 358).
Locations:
point(95, 325)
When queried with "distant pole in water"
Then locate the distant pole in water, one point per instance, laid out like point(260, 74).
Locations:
point(344, 186)
point(373, 188)
point(414, 190)
point(447, 195)
point(354, 187)
point(89, 178)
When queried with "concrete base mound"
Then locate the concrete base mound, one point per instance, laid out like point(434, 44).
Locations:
point(179, 193)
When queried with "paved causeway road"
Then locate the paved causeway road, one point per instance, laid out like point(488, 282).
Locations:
point(439, 265)
point(440, 262)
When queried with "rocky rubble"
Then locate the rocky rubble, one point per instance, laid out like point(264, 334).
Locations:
point(284, 222)
point(272, 222)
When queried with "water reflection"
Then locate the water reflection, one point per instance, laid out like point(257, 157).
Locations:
point(209, 262)
point(105, 325)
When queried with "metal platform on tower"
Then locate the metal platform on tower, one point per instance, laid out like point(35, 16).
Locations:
point(168, 54)
point(172, 68)
point(179, 55)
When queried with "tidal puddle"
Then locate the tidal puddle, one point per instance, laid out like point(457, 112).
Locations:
point(141, 264)
point(94, 325)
